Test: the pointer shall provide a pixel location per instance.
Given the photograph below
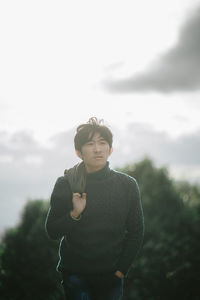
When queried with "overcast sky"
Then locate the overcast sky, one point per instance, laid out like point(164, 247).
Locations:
point(176, 70)
point(133, 63)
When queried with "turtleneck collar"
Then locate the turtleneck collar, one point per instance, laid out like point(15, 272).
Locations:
point(100, 174)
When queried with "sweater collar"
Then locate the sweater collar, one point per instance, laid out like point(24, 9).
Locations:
point(100, 174)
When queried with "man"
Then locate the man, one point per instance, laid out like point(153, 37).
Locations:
point(98, 214)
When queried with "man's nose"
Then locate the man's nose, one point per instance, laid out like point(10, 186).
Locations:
point(96, 148)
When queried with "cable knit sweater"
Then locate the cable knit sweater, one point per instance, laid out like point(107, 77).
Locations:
point(110, 232)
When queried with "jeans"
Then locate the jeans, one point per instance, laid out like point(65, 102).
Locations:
point(92, 287)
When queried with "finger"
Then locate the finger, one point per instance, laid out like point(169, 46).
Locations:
point(84, 196)
point(76, 195)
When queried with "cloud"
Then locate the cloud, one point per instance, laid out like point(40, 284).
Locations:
point(139, 140)
point(176, 70)
point(29, 169)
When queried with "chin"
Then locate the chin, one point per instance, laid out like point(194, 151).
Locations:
point(99, 164)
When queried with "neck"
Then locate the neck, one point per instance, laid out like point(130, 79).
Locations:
point(90, 169)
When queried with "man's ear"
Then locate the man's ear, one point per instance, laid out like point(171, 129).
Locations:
point(78, 153)
point(111, 150)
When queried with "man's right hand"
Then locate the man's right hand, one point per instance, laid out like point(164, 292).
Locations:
point(79, 203)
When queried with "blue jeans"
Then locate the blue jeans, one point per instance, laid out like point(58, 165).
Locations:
point(92, 287)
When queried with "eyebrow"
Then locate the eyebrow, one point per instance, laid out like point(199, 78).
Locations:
point(99, 139)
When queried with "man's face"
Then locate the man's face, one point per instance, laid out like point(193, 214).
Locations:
point(95, 153)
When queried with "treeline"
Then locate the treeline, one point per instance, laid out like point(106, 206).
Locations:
point(168, 267)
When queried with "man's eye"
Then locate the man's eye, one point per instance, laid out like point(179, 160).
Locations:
point(90, 144)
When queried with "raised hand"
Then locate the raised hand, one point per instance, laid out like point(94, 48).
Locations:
point(79, 203)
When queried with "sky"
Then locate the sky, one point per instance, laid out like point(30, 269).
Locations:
point(133, 63)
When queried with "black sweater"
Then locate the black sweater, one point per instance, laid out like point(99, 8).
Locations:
point(110, 232)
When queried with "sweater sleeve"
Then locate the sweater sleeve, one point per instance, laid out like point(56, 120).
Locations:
point(59, 222)
point(135, 231)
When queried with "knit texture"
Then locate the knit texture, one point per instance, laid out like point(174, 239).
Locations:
point(110, 232)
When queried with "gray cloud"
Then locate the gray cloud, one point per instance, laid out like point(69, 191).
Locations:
point(141, 140)
point(29, 170)
point(32, 169)
point(176, 70)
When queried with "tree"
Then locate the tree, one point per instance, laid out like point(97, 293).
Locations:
point(167, 266)
point(28, 258)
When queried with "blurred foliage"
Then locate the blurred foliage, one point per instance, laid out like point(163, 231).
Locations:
point(28, 258)
point(166, 268)
point(168, 265)
point(190, 194)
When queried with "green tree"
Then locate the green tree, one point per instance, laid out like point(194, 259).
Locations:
point(167, 267)
point(28, 258)
point(190, 194)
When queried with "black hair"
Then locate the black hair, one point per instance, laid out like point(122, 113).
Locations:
point(85, 132)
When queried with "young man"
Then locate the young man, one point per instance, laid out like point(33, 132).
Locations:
point(97, 213)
